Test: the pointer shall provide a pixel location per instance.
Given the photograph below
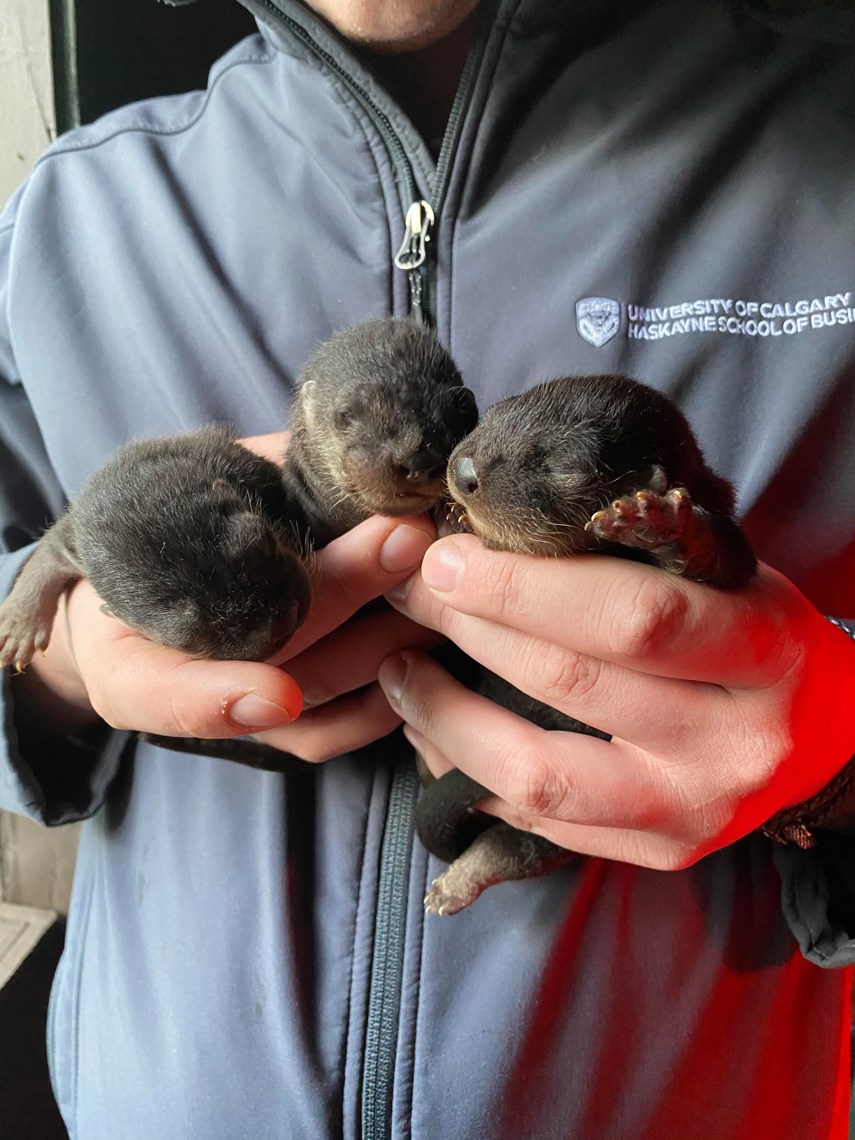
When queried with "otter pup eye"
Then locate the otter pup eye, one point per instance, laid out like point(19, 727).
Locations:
point(342, 418)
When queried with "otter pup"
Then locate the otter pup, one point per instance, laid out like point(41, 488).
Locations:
point(191, 540)
point(580, 464)
point(380, 408)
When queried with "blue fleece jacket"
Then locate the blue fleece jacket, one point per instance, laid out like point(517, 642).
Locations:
point(649, 188)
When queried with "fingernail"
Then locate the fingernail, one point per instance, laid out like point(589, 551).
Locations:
point(442, 568)
point(400, 592)
point(403, 549)
point(415, 738)
point(392, 675)
point(255, 712)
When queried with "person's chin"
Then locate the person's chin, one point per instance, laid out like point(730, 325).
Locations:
point(392, 27)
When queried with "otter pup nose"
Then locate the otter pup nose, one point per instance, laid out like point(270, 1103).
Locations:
point(422, 465)
point(465, 477)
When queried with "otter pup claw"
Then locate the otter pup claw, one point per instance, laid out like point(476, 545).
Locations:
point(458, 520)
point(436, 903)
point(450, 893)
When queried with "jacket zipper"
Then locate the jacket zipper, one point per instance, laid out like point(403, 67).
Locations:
point(387, 968)
point(387, 971)
point(413, 253)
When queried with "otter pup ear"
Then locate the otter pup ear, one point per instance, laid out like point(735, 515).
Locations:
point(225, 494)
point(306, 397)
point(466, 404)
point(247, 536)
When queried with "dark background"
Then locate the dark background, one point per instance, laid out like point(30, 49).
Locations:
point(110, 52)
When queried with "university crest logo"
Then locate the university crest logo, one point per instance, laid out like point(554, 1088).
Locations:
point(597, 319)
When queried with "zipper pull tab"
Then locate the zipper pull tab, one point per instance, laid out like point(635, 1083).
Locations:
point(418, 221)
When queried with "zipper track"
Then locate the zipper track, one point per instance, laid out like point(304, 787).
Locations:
point(451, 137)
point(387, 965)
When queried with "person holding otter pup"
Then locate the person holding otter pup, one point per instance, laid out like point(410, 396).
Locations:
point(652, 190)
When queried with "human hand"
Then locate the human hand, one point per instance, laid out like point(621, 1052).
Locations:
point(270, 446)
point(723, 706)
point(95, 666)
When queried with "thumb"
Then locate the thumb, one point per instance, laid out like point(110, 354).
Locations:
point(133, 683)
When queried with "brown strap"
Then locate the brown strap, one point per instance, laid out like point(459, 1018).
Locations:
point(797, 824)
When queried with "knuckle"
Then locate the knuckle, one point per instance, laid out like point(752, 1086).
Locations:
point(564, 676)
point(534, 787)
point(653, 619)
point(761, 747)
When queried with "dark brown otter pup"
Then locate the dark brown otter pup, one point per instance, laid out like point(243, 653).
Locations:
point(190, 540)
point(380, 408)
point(581, 464)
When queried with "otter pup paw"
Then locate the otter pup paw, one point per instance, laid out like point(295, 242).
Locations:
point(451, 892)
point(21, 635)
point(457, 519)
point(646, 520)
point(499, 855)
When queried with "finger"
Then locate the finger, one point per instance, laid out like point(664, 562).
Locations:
point(616, 610)
point(349, 657)
point(271, 446)
point(438, 763)
point(651, 711)
point(620, 845)
point(134, 684)
point(356, 568)
point(563, 776)
point(343, 725)
point(642, 848)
